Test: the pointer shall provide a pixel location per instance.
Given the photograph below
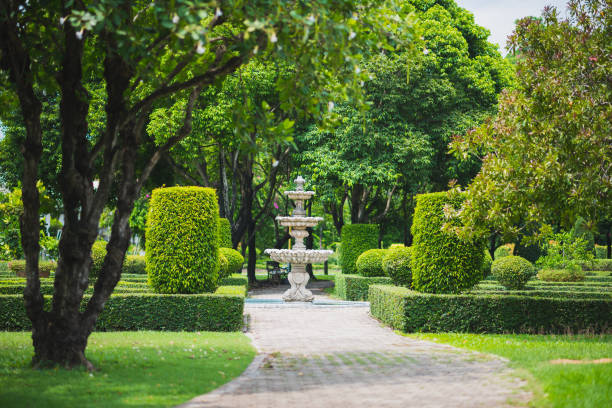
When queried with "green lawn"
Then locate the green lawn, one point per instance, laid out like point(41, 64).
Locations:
point(554, 385)
point(134, 369)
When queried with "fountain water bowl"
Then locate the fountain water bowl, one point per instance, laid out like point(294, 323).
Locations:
point(299, 256)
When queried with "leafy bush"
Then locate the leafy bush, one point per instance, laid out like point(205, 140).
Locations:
point(234, 259)
point(441, 261)
point(355, 287)
point(145, 312)
point(574, 274)
point(98, 252)
point(531, 252)
point(223, 266)
point(581, 230)
point(502, 251)
point(54, 227)
point(512, 271)
point(182, 247)
point(50, 245)
point(356, 238)
point(562, 249)
point(225, 233)
point(411, 311)
point(238, 290)
point(369, 263)
point(596, 265)
point(487, 261)
point(45, 268)
point(134, 264)
point(396, 265)
point(601, 252)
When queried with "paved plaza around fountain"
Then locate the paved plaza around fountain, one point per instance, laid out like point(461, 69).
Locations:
point(317, 355)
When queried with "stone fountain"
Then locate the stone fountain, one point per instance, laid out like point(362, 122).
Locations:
point(299, 256)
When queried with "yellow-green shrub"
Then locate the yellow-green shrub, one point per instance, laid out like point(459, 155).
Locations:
point(512, 272)
point(356, 238)
point(182, 247)
point(225, 233)
point(98, 252)
point(234, 260)
point(396, 265)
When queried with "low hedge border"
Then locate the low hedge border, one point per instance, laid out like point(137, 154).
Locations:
point(238, 290)
point(355, 287)
point(234, 280)
point(547, 293)
point(411, 311)
point(133, 312)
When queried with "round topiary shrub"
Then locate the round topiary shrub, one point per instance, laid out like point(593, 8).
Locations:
point(234, 259)
point(356, 238)
point(396, 264)
point(512, 272)
point(223, 266)
point(486, 264)
point(98, 252)
point(442, 262)
point(182, 247)
point(225, 233)
point(370, 262)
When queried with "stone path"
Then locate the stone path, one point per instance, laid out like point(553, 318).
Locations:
point(326, 356)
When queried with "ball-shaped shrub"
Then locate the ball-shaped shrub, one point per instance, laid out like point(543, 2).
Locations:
point(370, 262)
point(182, 247)
point(487, 261)
point(98, 252)
point(396, 265)
point(225, 233)
point(223, 266)
point(441, 261)
point(234, 259)
point(512, 271)
point(356, 238)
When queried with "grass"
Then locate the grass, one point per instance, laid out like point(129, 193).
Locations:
point(554, 385)
point(134, 369)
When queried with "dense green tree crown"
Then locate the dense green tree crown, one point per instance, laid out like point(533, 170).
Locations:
point(441, 261)
point(547, 155)
point(356, 239)
point(183, 240)
point(418, 100)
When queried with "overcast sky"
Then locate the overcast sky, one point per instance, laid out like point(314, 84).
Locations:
point(498, 16)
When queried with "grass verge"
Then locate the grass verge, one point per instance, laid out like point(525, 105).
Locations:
point(584, 385)
point(144, 369)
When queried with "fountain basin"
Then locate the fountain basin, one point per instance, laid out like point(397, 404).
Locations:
point(299, 195)
point(299, 256)
point(303, 222)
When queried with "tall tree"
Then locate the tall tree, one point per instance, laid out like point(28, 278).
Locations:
point(547, 156)
point(150, 52)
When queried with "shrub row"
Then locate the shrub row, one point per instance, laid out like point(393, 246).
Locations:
point(597, 265)
point(45, 268)
point(355, 287)
point(238, 290)
point(235, 280)
point(146, 312)
point(356, 238)
point(552, 293)
point(410, 311)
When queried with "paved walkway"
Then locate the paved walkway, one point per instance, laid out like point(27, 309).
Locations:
point(330, 356)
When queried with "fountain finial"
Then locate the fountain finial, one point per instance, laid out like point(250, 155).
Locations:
point(299, 181)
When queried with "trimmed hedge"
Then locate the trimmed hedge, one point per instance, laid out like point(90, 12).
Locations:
point(596, 265)
point(356, 239)
point(134, 264)
point(512, 271)
point(45, 268)
point(225, 233)
point(441, 262)
point(145, 312)
point(234, 260)
point(411, 311)
point(182, 247)
point(487, 261)
point(561, 275)
point(235, 280)
point(551, 293)
point(355, 287)
point(369, 263)
point(238, 290)
point(98, 253)
point(396, 265)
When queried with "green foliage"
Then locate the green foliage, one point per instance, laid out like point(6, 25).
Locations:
point(50, 246)
point(356, 239)
point(563, 249)
point(134, 264)
point(138, 218)
point(487, 261)
point(223, 266)
point(239, 290)
point(512, 271)
point(441, 261)
point(596, 265)
point(146, 312)
point(355, 287)
point(601, 252)
point(225, 233)
point(543, 153)
point(530, 251)
point(411, 311)
point(234, 259)
point(369, 263)
point(396, 265)
point(581, 230)
point(574, 274)
point(182, 248)
point(54, 227)
point(502, 251)
point(98, 252)
point(235, 280)
point(45, 268)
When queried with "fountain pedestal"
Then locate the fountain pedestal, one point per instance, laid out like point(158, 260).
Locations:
point(299, 256)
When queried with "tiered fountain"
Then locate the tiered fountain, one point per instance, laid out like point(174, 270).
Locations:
point(299, 256)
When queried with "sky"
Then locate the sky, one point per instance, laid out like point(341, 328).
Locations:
point(498, 16)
